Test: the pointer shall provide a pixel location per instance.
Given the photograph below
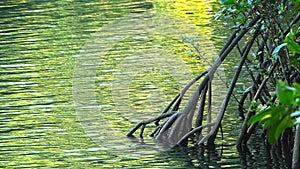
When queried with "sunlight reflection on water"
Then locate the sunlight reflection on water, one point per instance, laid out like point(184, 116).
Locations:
point(39, 126)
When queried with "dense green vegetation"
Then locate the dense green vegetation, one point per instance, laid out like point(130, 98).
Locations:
point(277, 117)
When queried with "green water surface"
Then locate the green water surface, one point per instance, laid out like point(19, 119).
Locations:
point(43, 123)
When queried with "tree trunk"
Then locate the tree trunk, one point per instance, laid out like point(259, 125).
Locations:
point(296, 152)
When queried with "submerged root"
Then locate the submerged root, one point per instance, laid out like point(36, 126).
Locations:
point(178, 126)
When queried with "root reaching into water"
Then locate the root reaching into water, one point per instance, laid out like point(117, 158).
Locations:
point(179, 123)
point(177, 127)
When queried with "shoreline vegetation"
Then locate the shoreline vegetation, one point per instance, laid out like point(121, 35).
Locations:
point(267, 38)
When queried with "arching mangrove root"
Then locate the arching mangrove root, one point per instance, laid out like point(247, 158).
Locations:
point(178, 124)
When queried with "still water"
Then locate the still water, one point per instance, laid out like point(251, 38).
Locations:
point(77, 75)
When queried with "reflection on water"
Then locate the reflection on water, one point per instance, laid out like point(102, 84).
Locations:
point(40, 43)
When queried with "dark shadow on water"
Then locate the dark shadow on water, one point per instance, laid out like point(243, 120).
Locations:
point(268, 157)
point(193, 156)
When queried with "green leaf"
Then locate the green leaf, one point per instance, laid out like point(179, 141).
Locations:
point(287, 94)
point(277, 125)
point(271, 135)
point(294, 60)
point(295, 114)
point(297, 85)
point(285, 123)
point(297, 121)
point(228, 2)
point(290, 89)
point(293, 47)
point(277, 49)
point(242, 3)
point(266, 113)
point(242, 19)
point(284, 96)
point(276, 114)
point(297, 101)
point(297, 2)
point(253, 103)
